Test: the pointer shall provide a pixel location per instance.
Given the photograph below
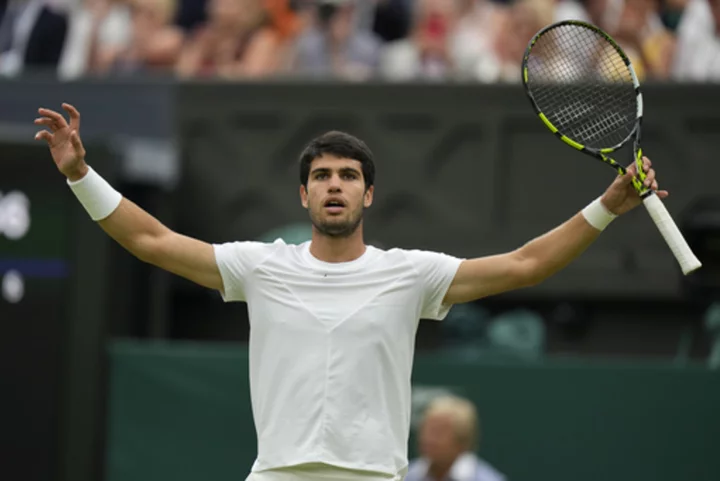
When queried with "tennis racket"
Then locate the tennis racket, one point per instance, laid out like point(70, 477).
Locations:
point(584, 89)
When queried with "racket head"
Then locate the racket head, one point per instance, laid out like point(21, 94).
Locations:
point(583, 87)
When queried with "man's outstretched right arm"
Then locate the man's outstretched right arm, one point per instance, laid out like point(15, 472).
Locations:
point(150, 241)
point(137, 231)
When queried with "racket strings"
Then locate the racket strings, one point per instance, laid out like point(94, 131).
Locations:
point(582, 84)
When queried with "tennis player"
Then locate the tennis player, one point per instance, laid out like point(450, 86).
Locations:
point(333, 320)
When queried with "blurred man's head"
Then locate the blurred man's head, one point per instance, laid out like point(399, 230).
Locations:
point(448, 429)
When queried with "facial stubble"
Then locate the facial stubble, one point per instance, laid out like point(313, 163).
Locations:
point(338, 229)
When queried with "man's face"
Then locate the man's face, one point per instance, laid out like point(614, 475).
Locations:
point(438, 439)
point(335, 195)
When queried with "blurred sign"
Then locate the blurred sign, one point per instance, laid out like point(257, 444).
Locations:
point(34, 256)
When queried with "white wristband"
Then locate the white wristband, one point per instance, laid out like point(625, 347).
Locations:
point(598, 215)
point(96, 195)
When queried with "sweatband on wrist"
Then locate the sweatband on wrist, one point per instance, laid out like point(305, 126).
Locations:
point(98, 197)
point(598, 215)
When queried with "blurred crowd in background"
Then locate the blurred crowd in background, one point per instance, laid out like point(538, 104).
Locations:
point(353, 40)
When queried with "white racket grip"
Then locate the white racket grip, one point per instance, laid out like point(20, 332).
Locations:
point(671, 233)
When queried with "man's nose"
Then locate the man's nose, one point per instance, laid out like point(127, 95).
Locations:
point(334, 184)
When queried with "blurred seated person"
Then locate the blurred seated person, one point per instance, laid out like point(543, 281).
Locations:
point(426, 53)
point(640, 32)
point(32, 33)
point(474, 37)
point(638, 28)
point(525, 19)
point(697, 58)
point(155, 41)
point(333, 48)
point(98, 29)
point(447, 439)
point(237, 41)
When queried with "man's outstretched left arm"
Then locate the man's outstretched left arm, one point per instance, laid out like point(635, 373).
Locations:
point(549, 253)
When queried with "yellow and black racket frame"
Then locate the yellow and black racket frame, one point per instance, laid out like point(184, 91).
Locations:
point(600, 154)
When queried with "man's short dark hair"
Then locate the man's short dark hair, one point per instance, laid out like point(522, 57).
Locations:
point(342, 145)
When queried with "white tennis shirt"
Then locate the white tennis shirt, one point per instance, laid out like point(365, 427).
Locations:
point(331, 348)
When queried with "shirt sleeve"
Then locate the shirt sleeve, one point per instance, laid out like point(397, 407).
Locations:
point(236, 261)
point(436, 272)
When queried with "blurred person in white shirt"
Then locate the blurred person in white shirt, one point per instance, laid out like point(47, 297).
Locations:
point(448, 437)
point(473, 40)
point(697, 55)
point(98, 29)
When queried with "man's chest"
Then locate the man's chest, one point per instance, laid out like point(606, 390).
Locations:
point(385, 299)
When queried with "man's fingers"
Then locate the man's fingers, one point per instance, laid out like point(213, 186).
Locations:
point(46, 121)
point(662, 193)
point(75, 139)
point(646, 164)
point(74, 116)
point(632, 169)
point(59, 119)
point(650, 178)
point(44, 135)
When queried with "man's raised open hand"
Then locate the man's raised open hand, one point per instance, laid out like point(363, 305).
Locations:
point(64, 141)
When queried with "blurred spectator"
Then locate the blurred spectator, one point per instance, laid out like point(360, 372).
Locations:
point(237, 41)
point(473, 42)
point(447, 437)
point(639, 29)
point(397, 40)
point(122, 36)
point(525, 19)
point(99, 29)
point(426, 53)
point(333, 47)
point(32, 33)
point(697, 58)
point(155, 41)
point(641, 33)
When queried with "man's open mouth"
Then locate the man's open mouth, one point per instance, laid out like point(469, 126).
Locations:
point(334, 205)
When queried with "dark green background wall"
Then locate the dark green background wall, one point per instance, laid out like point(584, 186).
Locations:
point(182, 412)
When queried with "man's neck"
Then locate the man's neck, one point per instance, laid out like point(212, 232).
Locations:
point(334, 249)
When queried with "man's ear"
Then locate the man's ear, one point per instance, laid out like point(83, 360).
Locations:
point(368, 198)
point(303, 196)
